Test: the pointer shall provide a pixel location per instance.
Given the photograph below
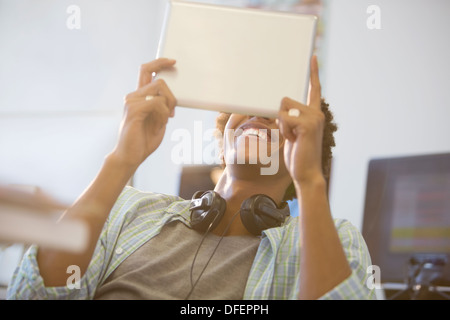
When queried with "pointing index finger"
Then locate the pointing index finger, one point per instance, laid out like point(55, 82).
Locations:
point(315, 90)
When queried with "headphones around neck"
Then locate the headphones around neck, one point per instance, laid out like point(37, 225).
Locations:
point(258, 213)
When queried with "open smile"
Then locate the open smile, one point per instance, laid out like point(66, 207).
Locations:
point(256, 129)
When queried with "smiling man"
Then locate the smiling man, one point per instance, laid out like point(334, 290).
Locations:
point(234, 242)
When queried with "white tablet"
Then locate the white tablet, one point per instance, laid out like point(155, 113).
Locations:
point(236, 60)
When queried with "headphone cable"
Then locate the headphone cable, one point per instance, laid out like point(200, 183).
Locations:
point(193, 285)
point(198, 249)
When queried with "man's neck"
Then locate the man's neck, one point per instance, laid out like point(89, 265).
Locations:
point(235, 189)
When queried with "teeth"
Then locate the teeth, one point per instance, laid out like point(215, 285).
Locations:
point(262, 134)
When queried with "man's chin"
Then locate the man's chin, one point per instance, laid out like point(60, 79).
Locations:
point(255, 168)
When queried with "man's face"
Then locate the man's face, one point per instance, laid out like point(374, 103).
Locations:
point(251, 140)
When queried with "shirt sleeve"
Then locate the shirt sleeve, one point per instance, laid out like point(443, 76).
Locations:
point(28, 284)
point(355, 287)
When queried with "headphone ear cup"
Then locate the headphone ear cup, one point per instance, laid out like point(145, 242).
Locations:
point(206, 208)
point(260, 212)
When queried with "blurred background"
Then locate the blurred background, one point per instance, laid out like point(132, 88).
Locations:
point(62, 83)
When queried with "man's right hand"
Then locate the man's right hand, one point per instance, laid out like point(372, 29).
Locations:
point(147, 111)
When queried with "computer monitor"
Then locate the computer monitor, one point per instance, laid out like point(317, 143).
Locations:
point(406, 221)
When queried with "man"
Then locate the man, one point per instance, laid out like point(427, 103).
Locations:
point(143, 245)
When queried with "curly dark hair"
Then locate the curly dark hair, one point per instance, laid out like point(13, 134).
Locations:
point(328, 143)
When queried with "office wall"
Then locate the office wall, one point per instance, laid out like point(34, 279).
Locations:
point(388, 88)
point(62, 83)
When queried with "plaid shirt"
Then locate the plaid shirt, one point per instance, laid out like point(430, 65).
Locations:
point(138, 216)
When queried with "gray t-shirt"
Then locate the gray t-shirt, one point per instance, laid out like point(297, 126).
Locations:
point(160, 269)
